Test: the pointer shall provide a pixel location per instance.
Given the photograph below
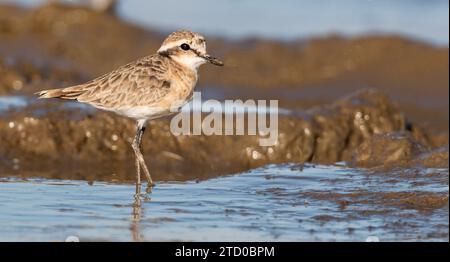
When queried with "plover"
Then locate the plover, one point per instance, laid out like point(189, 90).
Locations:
point(148, 88)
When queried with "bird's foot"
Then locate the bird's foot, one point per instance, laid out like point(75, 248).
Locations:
point(149, 188)
point(137, 199)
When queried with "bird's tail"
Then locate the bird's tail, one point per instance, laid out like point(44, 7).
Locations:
point(65, 93)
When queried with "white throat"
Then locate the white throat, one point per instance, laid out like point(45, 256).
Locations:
point(191, 62)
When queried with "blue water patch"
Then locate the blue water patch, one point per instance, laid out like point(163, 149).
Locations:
point(10, 102)
point(17, 102)
point(286, 202)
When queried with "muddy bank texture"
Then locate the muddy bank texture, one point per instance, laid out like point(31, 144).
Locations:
point(54, 46)
point(365, 129)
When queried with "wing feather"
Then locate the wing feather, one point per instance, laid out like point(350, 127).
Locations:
point(140, 83)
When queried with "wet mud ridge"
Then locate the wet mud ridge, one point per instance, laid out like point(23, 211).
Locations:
point(364, 129)
point(54, 46)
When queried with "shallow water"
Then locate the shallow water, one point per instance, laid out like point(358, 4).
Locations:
point(275, 203)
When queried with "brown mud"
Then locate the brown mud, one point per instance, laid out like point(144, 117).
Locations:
point(365, 129)
point(54, 46)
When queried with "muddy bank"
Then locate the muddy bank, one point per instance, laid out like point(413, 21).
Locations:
point(61, 141)
point(399, 149)
point(55, 46)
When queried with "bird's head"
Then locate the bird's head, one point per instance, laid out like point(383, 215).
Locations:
point(188, 49)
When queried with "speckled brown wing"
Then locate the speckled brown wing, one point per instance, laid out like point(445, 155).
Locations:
point(141, 83)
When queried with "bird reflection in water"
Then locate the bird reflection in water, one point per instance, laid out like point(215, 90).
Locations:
point(136, 233)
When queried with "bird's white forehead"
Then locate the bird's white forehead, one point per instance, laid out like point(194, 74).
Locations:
point(183, 35)
point(197, 45)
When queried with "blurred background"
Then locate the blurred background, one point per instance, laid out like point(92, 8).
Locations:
point(366, 85)
point(306, 53)
point(289, 19)
point(303, 53)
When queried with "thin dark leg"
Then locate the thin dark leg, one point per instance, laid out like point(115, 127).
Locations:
point(140, 162)
point(138, 181)
point(138, 171)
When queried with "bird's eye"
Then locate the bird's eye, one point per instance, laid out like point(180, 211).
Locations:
point(185, 47)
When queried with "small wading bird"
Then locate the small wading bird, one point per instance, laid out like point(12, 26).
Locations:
point(146, 89)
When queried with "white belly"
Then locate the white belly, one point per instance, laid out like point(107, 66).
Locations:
point(143, 112)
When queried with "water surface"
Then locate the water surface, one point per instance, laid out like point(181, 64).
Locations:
point(274, 203)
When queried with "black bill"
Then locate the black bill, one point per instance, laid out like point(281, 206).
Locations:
point(213, 60)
